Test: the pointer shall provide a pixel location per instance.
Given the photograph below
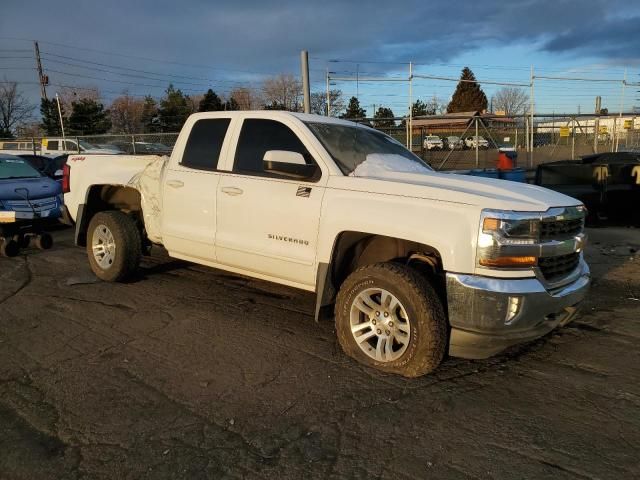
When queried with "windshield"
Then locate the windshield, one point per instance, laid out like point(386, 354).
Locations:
point(355, 149)
point(437, 139)
point(15, 167)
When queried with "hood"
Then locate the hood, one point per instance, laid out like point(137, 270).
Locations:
point(36, 187)
point(448, 187)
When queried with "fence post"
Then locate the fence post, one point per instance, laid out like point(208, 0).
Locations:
point(573, 139)
point(77, 144)
point(133, 144)
point(476, 139)
point(33, 145)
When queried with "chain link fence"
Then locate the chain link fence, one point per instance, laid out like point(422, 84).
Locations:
point(446, 142)
point(139, 144)
point(457, 141)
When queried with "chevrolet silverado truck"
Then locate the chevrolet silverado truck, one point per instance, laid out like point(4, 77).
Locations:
point(416, 264)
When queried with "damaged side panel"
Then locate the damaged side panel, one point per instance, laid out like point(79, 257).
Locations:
point(148, 182)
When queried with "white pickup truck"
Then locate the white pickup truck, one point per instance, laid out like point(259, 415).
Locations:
point(417, 264)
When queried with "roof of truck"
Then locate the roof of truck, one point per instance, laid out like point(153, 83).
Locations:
point(305, 117)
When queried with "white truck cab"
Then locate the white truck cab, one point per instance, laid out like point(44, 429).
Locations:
point(416, 264)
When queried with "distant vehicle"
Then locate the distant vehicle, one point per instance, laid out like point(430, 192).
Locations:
point(433, 142)
point(29, 202)
point(470, 142)
point(109, 146)
point(16, 147)
point(58, 146)
point(454, 143)
point(144, 147)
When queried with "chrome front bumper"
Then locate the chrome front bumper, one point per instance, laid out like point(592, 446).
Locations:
point(488, 315)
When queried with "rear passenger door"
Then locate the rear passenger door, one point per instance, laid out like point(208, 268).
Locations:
point(268, 220)
point(189, 192)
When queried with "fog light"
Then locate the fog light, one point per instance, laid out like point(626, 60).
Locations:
point(513, 308)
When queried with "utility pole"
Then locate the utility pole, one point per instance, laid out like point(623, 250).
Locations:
point(328, 96)
point(596, 123)
point(532, 106)
point(44, 80)
point(624, 84)
point(304, 65)
point(60, 116)
point(410, 107)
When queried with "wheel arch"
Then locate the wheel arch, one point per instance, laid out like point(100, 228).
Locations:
point(352, 250)
point(106, 197)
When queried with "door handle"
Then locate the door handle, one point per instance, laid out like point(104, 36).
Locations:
point(175, 183)
point(232, 191)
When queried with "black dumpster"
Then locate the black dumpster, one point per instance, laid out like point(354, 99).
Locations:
point(607, 183)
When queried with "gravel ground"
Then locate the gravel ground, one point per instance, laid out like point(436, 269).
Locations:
point(188, 372)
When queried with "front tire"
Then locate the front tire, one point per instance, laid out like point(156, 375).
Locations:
point(114, 246)
point(389, 317)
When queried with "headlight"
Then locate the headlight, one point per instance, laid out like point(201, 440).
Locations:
point(508, 239)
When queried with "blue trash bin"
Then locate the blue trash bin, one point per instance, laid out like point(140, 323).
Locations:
point(515, 175)
point(486, 173)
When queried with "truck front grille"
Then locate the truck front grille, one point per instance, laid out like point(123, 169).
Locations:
point(556, 268)
point(559, 229)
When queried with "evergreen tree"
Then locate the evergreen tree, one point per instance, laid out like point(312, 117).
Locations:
point(354, 110)
point(468, 96)
point(50, 118)
point(174, 110)
point(88, 117)
point(383, 118)
point(210, 102)
point(419, 109)
point(149, 118)
point(231, 104)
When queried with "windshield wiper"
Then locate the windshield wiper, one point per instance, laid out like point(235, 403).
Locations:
point(13, 178)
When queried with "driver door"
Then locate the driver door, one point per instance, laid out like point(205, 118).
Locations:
point(268, 222)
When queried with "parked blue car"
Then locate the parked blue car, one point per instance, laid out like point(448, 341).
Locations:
point(29, 203)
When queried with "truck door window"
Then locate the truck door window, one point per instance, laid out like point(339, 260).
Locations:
point(257, 137)
point(70, 145)
point(52, 145)
point(205, 143)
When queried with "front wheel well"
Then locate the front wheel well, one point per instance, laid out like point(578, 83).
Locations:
point(353, 250)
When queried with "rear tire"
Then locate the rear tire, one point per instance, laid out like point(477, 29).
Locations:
point(394, 305)
point(113, 246)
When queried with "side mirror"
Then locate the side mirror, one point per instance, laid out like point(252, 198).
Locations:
point(284, 156)
point(289, 165)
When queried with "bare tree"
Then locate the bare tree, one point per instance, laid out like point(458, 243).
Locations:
point(283, 91)
point(246, 98)
point(14, 108)
point(126, 114)
point(436, 106)
point(510, 100)
point(319, 102)
point(68, 95)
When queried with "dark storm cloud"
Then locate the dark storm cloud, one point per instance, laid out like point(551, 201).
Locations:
point(616, 38)
point(267, 36)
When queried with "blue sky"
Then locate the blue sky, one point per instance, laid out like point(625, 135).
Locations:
point(140, 47)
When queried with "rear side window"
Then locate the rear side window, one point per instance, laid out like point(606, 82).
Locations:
point(259, 136)
point(205, 143)
point(52, 145)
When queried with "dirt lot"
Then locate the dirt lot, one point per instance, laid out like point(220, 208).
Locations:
point(192, 373)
